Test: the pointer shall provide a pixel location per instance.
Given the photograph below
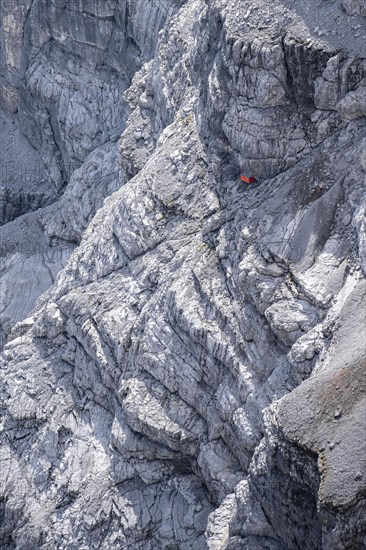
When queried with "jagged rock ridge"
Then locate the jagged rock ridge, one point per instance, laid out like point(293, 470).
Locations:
point(188, 380)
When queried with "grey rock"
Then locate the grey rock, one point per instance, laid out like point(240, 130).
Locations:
point(183, 358)
point(353, 105)
point(354, 7)
point(323, 411)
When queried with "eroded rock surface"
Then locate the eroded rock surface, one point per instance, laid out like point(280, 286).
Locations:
point(192, 373)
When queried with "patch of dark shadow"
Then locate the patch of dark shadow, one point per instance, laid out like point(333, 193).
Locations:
point(21, 441)
point(205, 386)
point(150, 533)
point(7, 543)
point(64, 436)
point(8, 520)
point(21, 432)
point(131, 485)
point(173, 209)
point(212, 239)
point(304, 64)
point(355, 72)
point(110, 522)
point(183, 467)
point(2, 510)
point(38, 542)
point(65, 499)
point(14, 204)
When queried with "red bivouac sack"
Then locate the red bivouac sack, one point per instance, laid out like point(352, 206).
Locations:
point(251, 179)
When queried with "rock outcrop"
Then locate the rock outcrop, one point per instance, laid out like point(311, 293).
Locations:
point(184, 358)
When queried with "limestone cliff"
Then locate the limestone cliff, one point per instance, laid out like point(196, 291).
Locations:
point(184, 364)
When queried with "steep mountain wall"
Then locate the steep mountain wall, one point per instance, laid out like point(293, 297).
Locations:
point(192, 375)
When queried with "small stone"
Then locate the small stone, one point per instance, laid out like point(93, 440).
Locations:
point(358, 475)
point(347, 219)
point(338, 413)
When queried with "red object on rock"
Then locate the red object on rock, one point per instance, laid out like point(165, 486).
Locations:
point(251, 179)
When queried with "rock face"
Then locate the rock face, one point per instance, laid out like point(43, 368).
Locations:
point(192, 373)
